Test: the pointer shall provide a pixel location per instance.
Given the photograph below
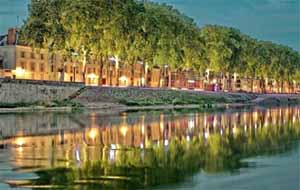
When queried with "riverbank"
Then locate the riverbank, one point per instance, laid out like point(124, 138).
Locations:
point(107, 100)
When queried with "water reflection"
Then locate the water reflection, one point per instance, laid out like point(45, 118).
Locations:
point(141, 149)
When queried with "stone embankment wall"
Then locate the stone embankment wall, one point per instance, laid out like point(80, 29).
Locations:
point(29, 91)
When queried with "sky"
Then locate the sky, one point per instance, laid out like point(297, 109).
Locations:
point(271, 20)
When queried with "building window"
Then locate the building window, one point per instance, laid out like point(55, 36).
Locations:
point(52, 68)
point(42, 67)
point(23, 65)
point(32, 66)
point(23, 54)
point(42, 56)
point(1, 63)
point(32, 55)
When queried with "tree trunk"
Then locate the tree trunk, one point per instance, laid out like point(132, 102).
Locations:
point(252, 84)
point(132, 72)
point(142, 75)
point(159, 78)
point(145, 75)
point(100, 71)
point(107, 65)
point(117, 70)
point(169, 78)
point(84, 65)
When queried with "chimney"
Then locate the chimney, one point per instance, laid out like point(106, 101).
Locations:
point(12, 36)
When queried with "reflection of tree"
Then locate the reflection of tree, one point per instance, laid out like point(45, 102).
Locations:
point(130, 168)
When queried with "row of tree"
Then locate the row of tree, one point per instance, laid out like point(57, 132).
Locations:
point(155, 34)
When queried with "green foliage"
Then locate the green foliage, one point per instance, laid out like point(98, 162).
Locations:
point(156, 34)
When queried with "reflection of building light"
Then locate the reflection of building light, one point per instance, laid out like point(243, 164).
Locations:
point(191, 81)
point(234, 130)
point(206, 135)
point(143, 81)
point(77, 155)
point(188, 138)
point(112, 155)
point(166, 143)
point(20, 149)
point(143, 129)
point(20, 142)
point(93, 134)
point(221, 131)
point(245, 128)
point(142, 146)
point(161, 126)
point(113, 146)
point(191, 124)
point(215, 122)
point(123, 130)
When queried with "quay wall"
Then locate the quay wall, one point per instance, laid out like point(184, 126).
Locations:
point(30, 91)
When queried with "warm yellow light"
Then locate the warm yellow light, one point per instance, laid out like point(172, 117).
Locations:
point(143, 81)
point(123, 130)
point(93, 133)
point(19, 72)
point(123, 78)
point(92, 76)
point(20, 141)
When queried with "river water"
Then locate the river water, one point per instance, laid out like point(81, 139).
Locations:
point(184, 150)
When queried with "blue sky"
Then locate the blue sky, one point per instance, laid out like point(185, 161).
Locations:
point(274, 20)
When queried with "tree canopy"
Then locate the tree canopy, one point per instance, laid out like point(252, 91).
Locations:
point(153, 33)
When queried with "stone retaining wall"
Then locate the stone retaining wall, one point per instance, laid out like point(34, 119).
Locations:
point(28, 91)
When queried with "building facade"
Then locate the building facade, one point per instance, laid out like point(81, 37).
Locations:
point(23, 62)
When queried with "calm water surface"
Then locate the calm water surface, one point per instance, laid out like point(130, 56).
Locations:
point(182, 150)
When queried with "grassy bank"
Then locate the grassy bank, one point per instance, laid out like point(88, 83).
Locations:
point(52, 104)
point(152, 97)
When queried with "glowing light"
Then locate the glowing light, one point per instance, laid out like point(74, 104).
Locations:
point(123, 78)
point(112, 155)
point(143, 129)
point(20, 142)
point(166, 143)
point(142, 146)
point(93, 134)
point(191, 124)
point(123, 130)
point(188, 138)
point(206, 135)
point(113, 146)
point(142, 80)
point(19, 72)
point(234, 130)
point(191, 81)
point(77, 155)
point(92, 76)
